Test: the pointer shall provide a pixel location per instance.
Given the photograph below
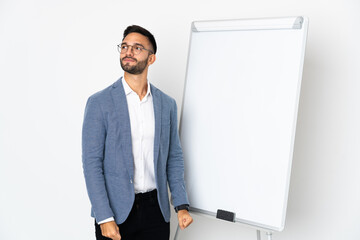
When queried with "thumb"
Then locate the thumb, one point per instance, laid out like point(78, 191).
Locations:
point(117, 235)
point(185, 222)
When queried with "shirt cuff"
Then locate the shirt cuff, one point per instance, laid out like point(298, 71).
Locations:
point(106, 220)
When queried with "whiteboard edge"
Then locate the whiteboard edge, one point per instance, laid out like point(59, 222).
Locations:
point(186, 77)
point(297, 23)
point(305, 29)
point(237, 220)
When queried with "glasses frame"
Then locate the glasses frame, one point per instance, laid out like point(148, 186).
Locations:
point(132, 48)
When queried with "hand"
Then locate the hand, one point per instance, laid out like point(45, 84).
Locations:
point(184, 219)
point(110, 230)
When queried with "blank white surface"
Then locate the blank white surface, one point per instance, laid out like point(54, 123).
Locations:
point(238, 121)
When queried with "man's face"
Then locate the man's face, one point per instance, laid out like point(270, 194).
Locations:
point(131, 63)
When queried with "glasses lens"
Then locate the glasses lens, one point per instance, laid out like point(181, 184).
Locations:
point(119, 48)
point(124, 48)
point(136, 49)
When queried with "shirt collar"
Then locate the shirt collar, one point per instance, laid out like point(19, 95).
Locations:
point(128, 89)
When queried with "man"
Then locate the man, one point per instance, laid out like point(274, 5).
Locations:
point(131, 150)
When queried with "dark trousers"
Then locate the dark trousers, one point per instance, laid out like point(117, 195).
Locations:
point(145, 221)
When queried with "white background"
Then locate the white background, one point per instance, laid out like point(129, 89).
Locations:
point(54, 54)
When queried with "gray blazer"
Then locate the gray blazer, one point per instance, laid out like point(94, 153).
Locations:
point(107, 154)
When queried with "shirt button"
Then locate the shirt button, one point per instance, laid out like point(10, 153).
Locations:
point(131, 181)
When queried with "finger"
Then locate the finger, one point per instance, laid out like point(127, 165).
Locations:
point(114, 235)
point(181, 224)
point(117, 236)
point(187, 222)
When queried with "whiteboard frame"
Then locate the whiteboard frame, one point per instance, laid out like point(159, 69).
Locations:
point(298, 22)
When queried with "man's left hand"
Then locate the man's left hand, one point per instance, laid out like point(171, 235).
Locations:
point(184, 219)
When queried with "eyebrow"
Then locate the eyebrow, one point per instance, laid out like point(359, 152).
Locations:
point(137, 44)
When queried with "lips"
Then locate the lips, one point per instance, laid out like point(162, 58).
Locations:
point(127, 59)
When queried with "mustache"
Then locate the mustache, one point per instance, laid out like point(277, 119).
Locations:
point(128, 58)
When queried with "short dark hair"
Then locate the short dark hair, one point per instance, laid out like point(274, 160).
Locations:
point(142, 31)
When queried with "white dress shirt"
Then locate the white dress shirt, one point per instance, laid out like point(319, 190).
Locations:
point(142, 122)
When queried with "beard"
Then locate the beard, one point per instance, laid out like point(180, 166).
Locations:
point(138, 68)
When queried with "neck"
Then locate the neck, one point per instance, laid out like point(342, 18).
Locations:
point(138, 83)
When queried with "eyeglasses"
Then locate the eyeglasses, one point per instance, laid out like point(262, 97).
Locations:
point(123, 48)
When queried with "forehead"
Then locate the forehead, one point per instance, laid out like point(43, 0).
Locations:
point(136, 38)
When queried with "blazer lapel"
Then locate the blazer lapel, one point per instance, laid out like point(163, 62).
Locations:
point(124, 131)
point(157, 114)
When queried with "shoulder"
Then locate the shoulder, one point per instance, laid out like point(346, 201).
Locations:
point(166, 99)
point(104, 95)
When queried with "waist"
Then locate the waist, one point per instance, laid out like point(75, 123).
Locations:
point(146, 195)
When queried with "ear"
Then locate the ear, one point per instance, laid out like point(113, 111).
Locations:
point(151, 59)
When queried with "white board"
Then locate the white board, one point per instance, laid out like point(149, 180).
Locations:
point(239, 116)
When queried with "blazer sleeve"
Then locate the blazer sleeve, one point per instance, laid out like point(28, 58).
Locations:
point(93, 145)
point(175, 162)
